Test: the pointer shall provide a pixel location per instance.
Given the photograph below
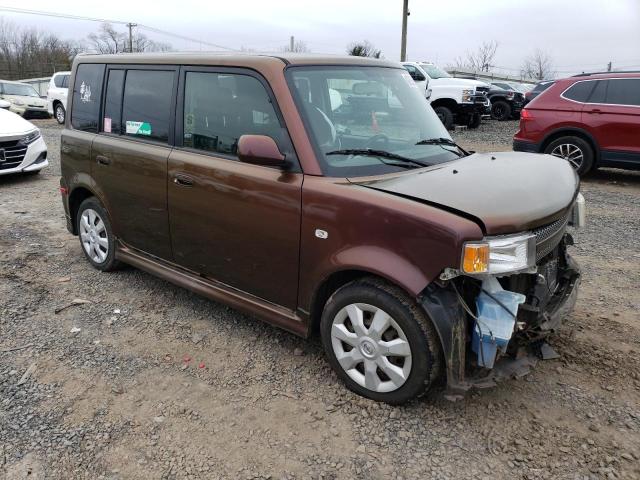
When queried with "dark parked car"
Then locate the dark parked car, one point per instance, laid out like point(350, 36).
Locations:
point(263, 183)
point(590, 120)
point(537, 90)
point(505, 104)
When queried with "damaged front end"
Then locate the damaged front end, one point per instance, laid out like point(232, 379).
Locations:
point(493, 324)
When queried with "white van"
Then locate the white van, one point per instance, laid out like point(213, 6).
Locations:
point(57, 95)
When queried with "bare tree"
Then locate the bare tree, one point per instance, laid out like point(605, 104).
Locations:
point(481, 60)
point(363, 49)
point(538, 65)
point(28, 53)
point(298, 47)
point(110, 40)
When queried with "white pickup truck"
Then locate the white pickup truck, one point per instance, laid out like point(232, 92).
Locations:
point(457, 101)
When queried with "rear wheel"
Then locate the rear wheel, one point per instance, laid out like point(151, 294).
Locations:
point(500, 110)
point(574, 150)
point(445, 115)
point(379, 341)
point(60, 113)
point(96, 235)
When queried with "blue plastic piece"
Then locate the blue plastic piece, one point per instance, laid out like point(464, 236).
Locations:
point(495, 324)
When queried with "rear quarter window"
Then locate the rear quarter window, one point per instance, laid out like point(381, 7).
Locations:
point(87, 93)
point(579, 91)
point(624, 91)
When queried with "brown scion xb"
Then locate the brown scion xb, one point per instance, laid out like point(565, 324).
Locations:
point(322, 194)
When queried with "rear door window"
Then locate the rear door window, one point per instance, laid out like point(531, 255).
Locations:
point(112, 121)
point(65, 81)
point(87, 93)
point(579, 91)
point(624, 91)
point(221, 107)
point(146, 105)
point(57, 80)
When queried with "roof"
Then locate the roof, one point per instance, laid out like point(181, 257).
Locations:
point(234, 58)
point(18, 82)
point(622, 74)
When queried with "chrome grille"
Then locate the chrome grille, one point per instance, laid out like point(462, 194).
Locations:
point(549, 236)
point(12, 155)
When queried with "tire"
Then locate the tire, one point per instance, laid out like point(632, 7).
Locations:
point(59, 113)
point(417, 364)
point(575, 150)
point(446, 116)
point(500, 110)
point(96, 235)
point(474, 121)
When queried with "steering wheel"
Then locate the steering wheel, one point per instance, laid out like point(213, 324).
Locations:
point(379, 140)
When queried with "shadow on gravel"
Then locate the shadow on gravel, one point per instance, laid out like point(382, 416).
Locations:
point(17, 178)
point(609, 175)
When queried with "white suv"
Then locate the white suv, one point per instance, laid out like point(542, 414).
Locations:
point(57, 95)
point(22, 149)
point(456, 100)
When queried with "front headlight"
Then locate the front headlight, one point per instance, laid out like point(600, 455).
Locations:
point(29, 138)
point(500, 255)
point(467, 95)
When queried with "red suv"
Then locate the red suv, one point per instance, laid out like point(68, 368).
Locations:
point(591, 120)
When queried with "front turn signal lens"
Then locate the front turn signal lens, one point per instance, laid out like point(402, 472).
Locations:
point(475, 258)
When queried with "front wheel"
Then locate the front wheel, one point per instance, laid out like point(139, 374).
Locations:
point(500, 110)
point(445, 115)
point(380, 342)
point(60, 113)
point(96, 235)
point(474, 121)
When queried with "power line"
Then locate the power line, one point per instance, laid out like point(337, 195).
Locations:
point(119, 22)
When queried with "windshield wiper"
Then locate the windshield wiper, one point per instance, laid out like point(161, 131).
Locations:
point(368, 152)
point(441, 141)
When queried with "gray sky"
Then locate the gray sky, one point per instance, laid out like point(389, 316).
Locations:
point(578, 34)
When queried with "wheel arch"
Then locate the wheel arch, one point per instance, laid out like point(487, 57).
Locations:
point(337, 279)
point(76, 197)
point(574, 132)
point(450, 103)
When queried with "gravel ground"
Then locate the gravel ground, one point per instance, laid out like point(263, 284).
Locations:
point(151, 381)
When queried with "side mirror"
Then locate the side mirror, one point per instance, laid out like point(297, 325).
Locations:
point(260, 150)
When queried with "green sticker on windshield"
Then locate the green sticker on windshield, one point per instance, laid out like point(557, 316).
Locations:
point(139, 128)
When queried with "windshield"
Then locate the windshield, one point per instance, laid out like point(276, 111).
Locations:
point(346, 109)
point(19, 89)
point(434, 72)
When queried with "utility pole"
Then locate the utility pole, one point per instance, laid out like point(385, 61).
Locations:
point(291, 43)
point(131, 25)
point(403, 45)
point(609, 67)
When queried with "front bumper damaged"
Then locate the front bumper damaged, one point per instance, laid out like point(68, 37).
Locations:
point(540, 315)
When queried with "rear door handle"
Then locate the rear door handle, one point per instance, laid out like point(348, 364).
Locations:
point(183, 180)
point(595, 110)
point(102, 160)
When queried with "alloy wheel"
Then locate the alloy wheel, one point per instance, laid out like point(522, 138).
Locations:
point(93, 235)
point(60, 114)
point(570, 152)
point(371, 347)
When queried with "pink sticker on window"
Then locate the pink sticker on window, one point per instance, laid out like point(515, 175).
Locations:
point(107, 125)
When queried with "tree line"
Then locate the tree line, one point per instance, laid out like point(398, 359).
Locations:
point(31, 53)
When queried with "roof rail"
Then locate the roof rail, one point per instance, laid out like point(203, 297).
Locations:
point(614, 72)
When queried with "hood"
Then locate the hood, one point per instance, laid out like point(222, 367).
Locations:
point(13, 124)
point(462, 82)
point(505, 192)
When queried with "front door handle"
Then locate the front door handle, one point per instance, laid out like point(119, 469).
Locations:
point(183, 180)
point(102, 160)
